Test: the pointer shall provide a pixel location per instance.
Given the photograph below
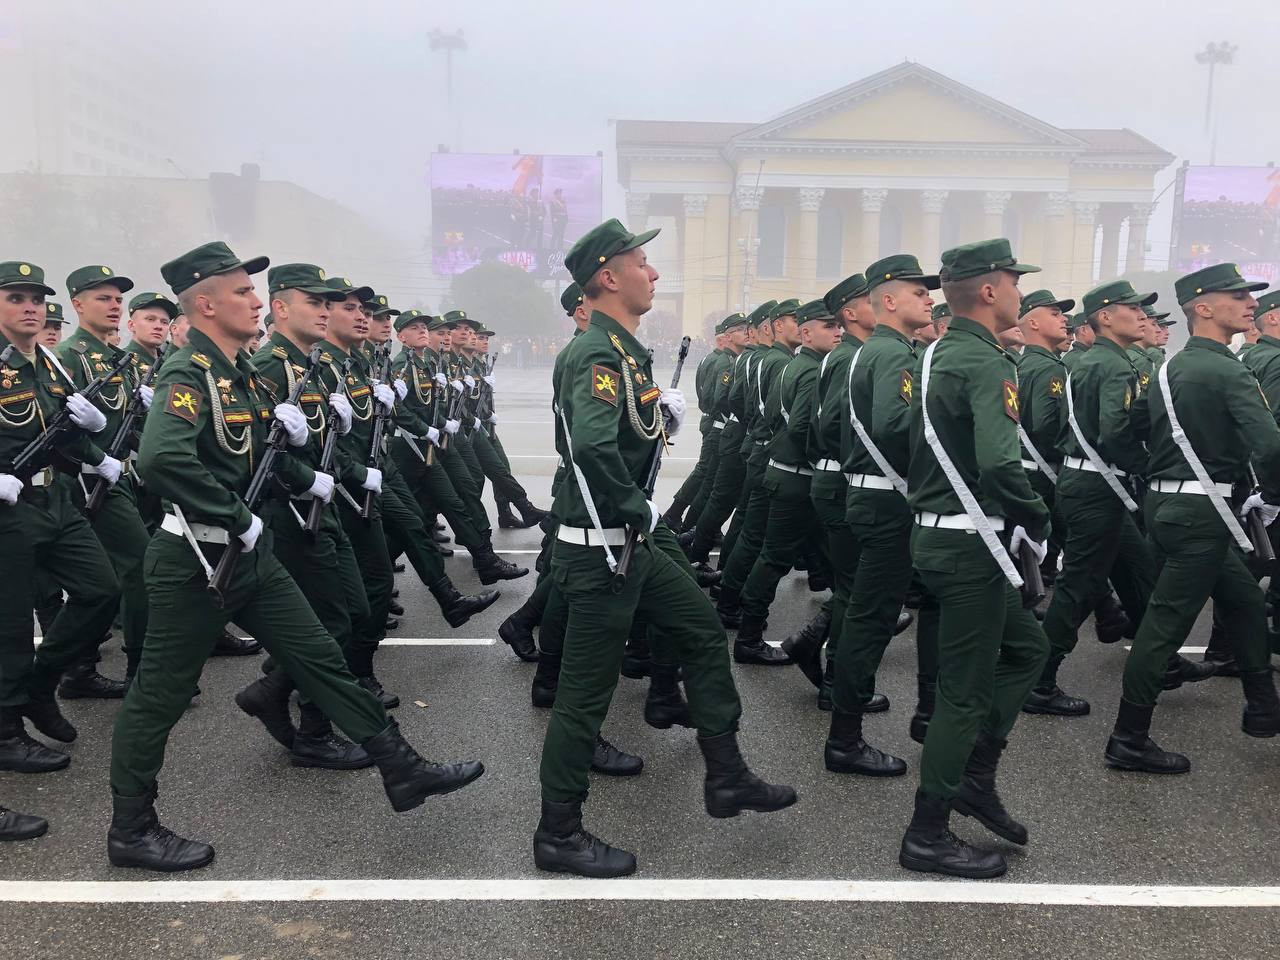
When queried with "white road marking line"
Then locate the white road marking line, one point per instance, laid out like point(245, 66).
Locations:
point(436, 642)
point(538, 889)
point(554, 456)
point(1184, 650)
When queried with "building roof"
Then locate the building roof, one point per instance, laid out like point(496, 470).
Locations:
point(702, 133)
point(1123, 140)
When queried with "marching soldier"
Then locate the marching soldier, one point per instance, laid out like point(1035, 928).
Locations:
point(199, 452)
point(612, 415)
point(51, 335)
point(1082, 338)
point(1209, 422)
point(704, 379)
point(1264, 361)
point(967, 486)
point(1250, 341)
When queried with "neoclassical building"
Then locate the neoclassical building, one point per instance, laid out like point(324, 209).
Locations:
point(906, 160)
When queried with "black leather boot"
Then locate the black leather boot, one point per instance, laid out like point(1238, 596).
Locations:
point(674, 516)
point(926, 698)
point(267, 699)
point(1054, 702)
point(82, 681)
point(805, 647)
point(1220, 654)
point(1181, 670)
point(545, 680)
point(562, 845)
point(491, 568)
point(1131, 746)
point(905, 619)
point(407, 778)
point(977, 796)
point(21, 826)
point(930, 847)
point(731, 787)
point(317, 745)
point(393, 623)
point(530, 515)
point(371, 683)
point(1261, 706)
point(707, 576)
point(48, 719)
point(612, 762)
point(751, 648)
point(665, 706)
point(828, 681)
point(507, 520)
point(457, 607)
point(818, 582)
point(847, 752)
point(229, 645)
point(729, 608)
point(20, 752)
point(1110, 621)
point(517, 632)
point(636, 660)
point(137, 839)
point(395, 609)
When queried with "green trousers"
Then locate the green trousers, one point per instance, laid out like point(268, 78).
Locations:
point(693, 483)
point(662, 591)
point(505, 486)
point(434, 491)
point(183, 625)
point(124, 536)
point(462, 448)
point(991, 649)
point(1103, 543)
point(1198, 559)
point(724, 496)
point(368, 544)
point(406, 530)
point(791, 522)
point(45, 534)
point(843, 548)
point(699, 501)
point(743, 542)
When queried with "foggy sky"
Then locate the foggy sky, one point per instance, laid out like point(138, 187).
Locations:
point(346, 99)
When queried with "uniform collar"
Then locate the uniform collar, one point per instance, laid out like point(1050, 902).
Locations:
point(609, 325)
point(82, 337)
point(1267, 338)
point(810, 352)
point(136, 348)
point(851, 338)
point(884, 330)
point(972, 327)
point(1041, 351)
point(1204, 343)
point(199, 343)
point(1107, 344)
point(778, 345)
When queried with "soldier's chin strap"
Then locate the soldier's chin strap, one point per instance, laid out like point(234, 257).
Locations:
point(1189, 453)
point(967, 500)
point(586, 496)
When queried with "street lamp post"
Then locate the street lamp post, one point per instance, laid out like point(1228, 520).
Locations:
point(449, 43)
point(1213, 54)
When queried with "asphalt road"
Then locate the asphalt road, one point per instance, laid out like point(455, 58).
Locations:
point(1093, 830)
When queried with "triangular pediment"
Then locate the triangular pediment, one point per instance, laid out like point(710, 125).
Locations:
point(909, 103)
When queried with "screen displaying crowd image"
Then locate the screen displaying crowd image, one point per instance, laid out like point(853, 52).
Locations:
point(522, 209)
point(1228, 214)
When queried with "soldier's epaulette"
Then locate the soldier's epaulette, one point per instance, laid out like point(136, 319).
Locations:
point(79, 346)
point(280, 353)
point(200, 360)
point(326, 357)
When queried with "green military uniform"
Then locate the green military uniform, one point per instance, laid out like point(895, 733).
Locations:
point(148, 504)
point(1264, 361)
point(880, 392)
point(1222, 425)
point(1103, 541)
point(1077, 349)
point(990, 647)
point(702, 476)
point(44, 534)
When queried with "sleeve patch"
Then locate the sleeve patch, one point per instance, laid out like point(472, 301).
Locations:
point(604, 383)
point(726, 376)
point(1010, 392)
point(183, 401)
point(906, 386)
point(1055, 386)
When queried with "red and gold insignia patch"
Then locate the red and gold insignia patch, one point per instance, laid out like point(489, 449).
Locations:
point(650, 395)
point(1056, 386)
point(21, 397)
point(183, 402)
point(604, 383)
point(906, 386)
point(238, 416)
point(1010, 391)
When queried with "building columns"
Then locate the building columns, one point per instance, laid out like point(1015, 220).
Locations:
point(1086, 229)
point(872, 204)
point(931, 204)
point(1109, 256)
point(806, 271)
point(1057, 243)
point(1135, 259)
point(694, 225)
point(746, 243)
point(993, 207)
point(637, 211)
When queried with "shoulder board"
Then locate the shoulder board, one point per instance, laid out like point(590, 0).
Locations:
point(200, 360)
point(280, 352)
point(327, 358)
point(79, 346)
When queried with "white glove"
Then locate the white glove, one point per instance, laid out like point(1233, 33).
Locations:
point(442, 379)
point(401, 388)
point(654, 516)
point(109, 469)
point(373, 479)
point(294, 422)
point(491, 380)
point(147, 394)
point(433, 435)
point(385, 396)
point(322, 487)
point(84, 414)
point(10, 487)
point(250, 537)
point(673, 402)
point(1255, 502)
point(340, 405)
point(451, 426)
point(477, 425)
point(470, 381)
point(493, 418)
point(1020, 536)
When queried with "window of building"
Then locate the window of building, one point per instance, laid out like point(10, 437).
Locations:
point(773, 238)
point(830, 240)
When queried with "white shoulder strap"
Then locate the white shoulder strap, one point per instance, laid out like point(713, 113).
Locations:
point(586, 496)
point(1188, 451)
point(885, 466)
point(967, 500)
point(822, 372)
point(53, 358)
point(1040, 461)
point(1103, 468)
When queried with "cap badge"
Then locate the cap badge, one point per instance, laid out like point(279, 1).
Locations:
point(24, 269)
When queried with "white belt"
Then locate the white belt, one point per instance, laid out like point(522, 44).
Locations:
point(717, 424)
point(954, 521)
point(201, 531)
point(590, 537)
point(828, 466)
point(126, 467)
point(42, 478)
point(868, 481)
point(1076, 463)
point(788, 468)
point(1188, 486)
